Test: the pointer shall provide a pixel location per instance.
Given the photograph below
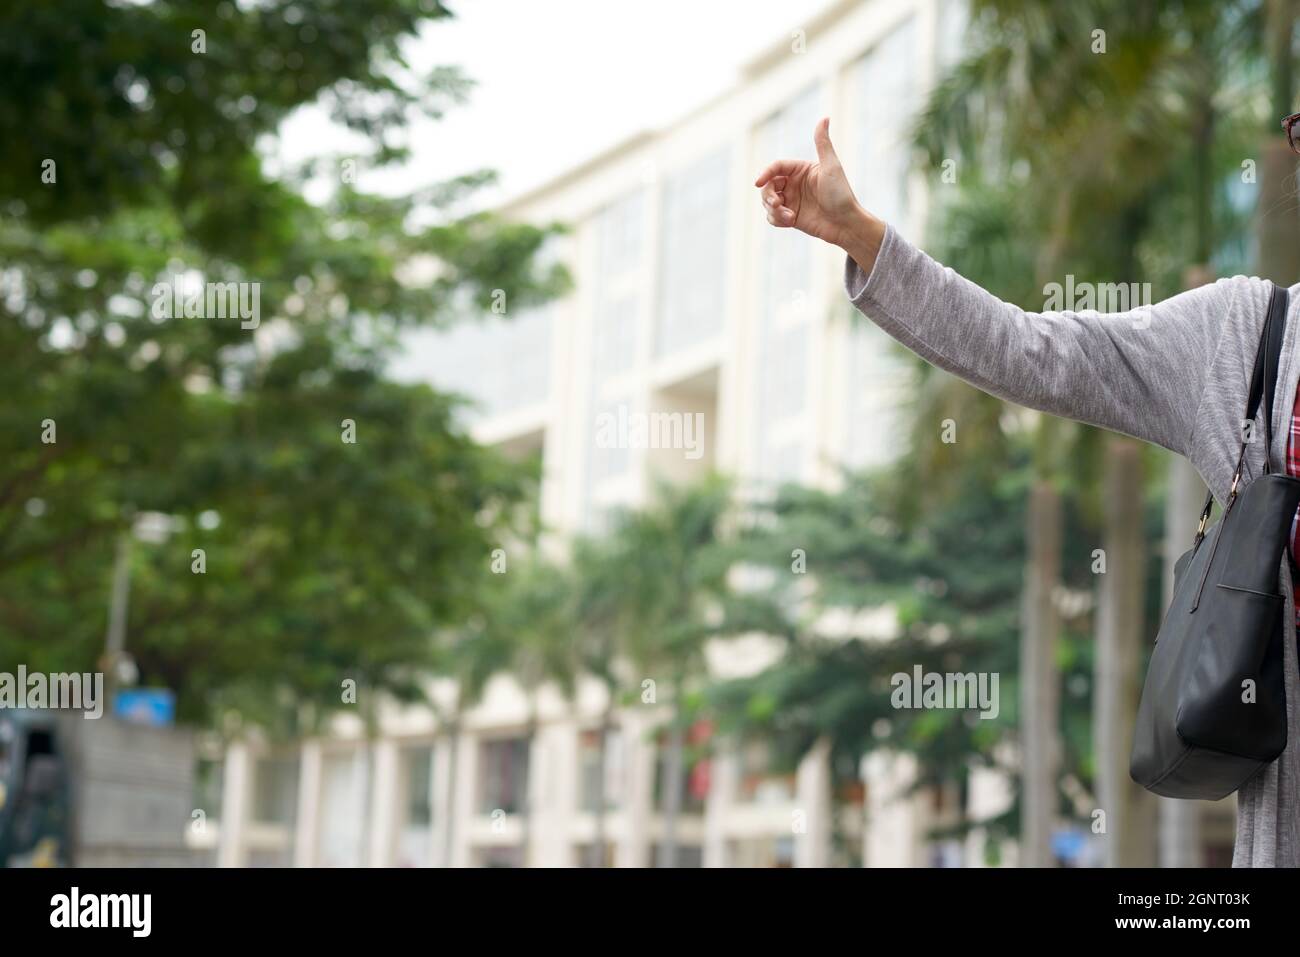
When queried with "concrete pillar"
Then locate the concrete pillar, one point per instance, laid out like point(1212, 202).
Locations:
point(552, 783)
point(306, 842)
point(813, 808)
point(890, 837)
point(633, 848)
point(442, 806)
point(464, 809)
point(724, 777)
point(384, 802)
point(236, 798)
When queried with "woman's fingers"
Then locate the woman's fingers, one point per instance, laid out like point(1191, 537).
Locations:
point(779, 168)
point(778, 214)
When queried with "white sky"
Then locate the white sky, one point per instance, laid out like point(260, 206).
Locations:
point(559, 81)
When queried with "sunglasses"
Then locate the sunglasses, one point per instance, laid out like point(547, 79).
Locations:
point(1292, 134)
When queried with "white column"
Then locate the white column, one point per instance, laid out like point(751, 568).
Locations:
point(236, 796)
point(890, 836)
point(464, 809)
point(638, 803)
point(384, 802)
point(307, 827)
point(724, 773)
point(812, 846)
point(553, 792)
point(441, 805)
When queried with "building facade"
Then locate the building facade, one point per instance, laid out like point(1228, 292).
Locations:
point(685, 303)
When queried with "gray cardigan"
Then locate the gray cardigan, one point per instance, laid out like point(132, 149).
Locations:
point(1175, 373)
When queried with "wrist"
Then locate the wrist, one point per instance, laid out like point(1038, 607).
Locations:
point(861, 237)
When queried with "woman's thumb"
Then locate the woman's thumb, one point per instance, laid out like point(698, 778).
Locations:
point(822, 140)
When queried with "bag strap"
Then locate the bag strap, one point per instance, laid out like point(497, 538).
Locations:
point(1263, 380)
point(1263, 386)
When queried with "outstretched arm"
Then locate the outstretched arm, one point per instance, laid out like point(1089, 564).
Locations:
point(1140, 371)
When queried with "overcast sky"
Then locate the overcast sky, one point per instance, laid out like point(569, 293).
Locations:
point(558, 81)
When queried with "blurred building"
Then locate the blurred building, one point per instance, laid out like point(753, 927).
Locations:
point(685, 302)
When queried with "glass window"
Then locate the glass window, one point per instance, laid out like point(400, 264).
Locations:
point(503, 775)
point(275, 790)
point(589, 769)
point(501, 363)
point(886, 96)
point(501, 857)
point(695, 772)
point(586, 855)
point(611, 454)
point(415, 826)
point(693, 256)
point(209, 781)
point(614, 341)
point(758, 783)
point(785, 277)
point(686, 855)
point(417, 763)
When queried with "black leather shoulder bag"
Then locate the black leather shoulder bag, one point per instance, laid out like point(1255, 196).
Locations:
point(1213, 709)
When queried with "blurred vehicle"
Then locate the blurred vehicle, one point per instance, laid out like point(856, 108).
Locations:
point(93, 793)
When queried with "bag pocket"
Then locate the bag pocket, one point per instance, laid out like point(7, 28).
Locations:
point(1234, 700)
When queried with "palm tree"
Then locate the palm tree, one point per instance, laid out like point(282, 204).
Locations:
point(533, 620)
point(601, 570)
point(672, 553)
point(1097, 134)
point(469, 656)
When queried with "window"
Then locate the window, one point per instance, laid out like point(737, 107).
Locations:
point(589, 769)
point(620, 230)
point(758, 783)
point(503, 775)
point(275, 790)
point(502, 363)
point(785, 277)
point(415, 829)
point(586, 855)
point(693, 257)
point(417, 765)
point(886, 98)
point(695, 772)
point(209, 780)
point(500, 857)
point(885, 94)
point(610, 454)
point(761, 852)
point(686, 855)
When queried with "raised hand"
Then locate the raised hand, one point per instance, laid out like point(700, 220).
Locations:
point(816, 198)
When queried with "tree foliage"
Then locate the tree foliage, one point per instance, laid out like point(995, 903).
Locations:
point(134, 155)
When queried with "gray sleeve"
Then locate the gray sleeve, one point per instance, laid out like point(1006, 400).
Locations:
point(1140, 371)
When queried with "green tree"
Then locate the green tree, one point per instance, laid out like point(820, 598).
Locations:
point(336, 510)
point(1109, 120)
point(673, 559)
point(530, 617)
